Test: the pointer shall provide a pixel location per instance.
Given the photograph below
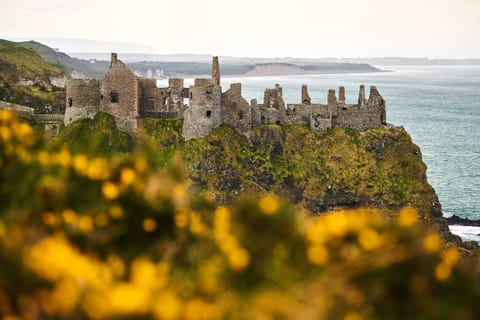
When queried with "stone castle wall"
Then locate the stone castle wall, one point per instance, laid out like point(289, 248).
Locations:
point(128, 97)
point(83, 99)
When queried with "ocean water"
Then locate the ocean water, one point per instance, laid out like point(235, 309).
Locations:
point(440, 108)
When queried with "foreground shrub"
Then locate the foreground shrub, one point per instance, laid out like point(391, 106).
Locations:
point(107, 239)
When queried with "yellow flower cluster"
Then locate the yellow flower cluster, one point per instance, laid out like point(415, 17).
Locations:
point(331, 228)
point(269, 204)
point(88, 261)
point(238, 257)
point(15, 137)
point(97, 286)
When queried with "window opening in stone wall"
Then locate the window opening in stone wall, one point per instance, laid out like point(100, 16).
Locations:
point(101, 97)
point(70, 102)
point(114, 96)
point(191, 95)
point(240, 114)
point(209, 113)
point(209, 91)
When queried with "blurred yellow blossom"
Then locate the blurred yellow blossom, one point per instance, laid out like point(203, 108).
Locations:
point(140, 165)
point(181, 219)
point(432, 243)
point(269, 204)
point(443, 271)
point(80, 163)
point(197, 227)
point(239, 259)
point(43, 158)
point(85, 224)
point(3, 229)
point(110, 190)
point(116, 211)
point(408, 217)
point(98, 169)
point(62, 158)
point(149, 225)
point(69, 216)
point(101, 220)
point(178, 194)
point(5, 115)
point(352, 315)
point(318, 255)
point(143, 272)
point(167, 306)
point(63, 298)
point(128, 299)
point(369, 239)
point(127, 175)
point(50, 219)
point(451, 255)
point(198, 309)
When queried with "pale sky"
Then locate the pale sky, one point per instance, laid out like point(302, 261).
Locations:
point(268, 28)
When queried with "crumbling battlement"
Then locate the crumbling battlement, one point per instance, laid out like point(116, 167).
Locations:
point(128, 97)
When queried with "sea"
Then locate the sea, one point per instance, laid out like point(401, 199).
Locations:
point(438, 105)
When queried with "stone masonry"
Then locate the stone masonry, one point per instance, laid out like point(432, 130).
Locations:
point(129, 97)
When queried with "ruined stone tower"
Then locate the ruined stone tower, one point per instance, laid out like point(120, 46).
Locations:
point(119, 95)
point(83, 99)
point(305, 96)
point(216, 71)
point(205, 111)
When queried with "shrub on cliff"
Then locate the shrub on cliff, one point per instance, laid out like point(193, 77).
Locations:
point(96, 137)
point(104, 238)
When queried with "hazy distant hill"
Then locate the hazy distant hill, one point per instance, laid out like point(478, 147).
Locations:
point(94, 65)
point(373, 61)
point(75, 66)
point(273, 69)
point(28, 79)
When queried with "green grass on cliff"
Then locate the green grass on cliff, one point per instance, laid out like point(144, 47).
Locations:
point(96, 137)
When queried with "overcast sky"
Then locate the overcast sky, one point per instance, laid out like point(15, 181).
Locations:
point(269, 28)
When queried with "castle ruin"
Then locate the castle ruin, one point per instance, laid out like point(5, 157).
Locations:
point(128, 98)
